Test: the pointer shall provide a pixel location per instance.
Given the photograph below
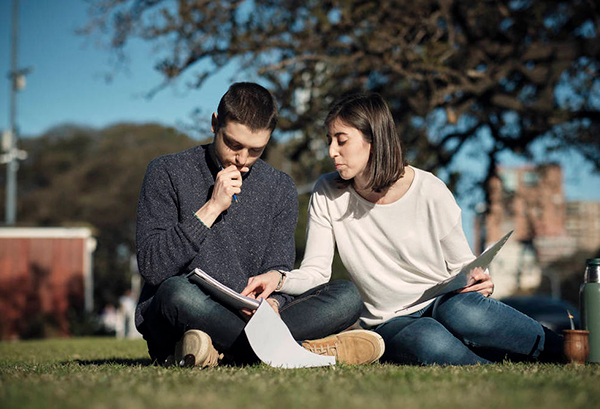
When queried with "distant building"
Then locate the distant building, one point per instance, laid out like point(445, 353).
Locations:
point(583, 224)
point(45, 277)
point(530, 200)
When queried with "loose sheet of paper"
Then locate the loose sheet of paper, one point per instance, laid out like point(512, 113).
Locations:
point(273, 343)
point(461, 279)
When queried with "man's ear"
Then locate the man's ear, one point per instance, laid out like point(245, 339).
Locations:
point(214, 123)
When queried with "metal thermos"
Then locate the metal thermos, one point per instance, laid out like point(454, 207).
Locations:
point(589, 306)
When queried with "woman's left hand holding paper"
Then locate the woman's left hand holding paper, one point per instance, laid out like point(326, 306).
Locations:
point(479, 281)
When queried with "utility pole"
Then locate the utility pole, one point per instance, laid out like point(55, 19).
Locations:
point(12, 154)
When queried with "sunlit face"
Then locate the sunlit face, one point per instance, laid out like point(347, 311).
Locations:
point(349, 150)
point(235, 144)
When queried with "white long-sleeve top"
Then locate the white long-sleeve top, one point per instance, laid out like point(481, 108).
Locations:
point(393, 252)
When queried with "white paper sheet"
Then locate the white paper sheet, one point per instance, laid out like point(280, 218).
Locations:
point(461, 279)
point(273, 343)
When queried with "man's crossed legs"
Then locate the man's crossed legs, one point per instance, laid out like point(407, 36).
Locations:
point(182, 319)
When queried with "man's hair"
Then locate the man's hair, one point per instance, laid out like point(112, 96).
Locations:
point(372, 117)
point(248, 104)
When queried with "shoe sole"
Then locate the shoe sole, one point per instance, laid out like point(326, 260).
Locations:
point(192, 348)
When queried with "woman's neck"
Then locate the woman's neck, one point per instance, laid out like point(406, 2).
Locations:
point(389, 195)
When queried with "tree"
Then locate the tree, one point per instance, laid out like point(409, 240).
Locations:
point(76, 175)
point(511, 72)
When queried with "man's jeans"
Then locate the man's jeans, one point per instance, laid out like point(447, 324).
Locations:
point(180, 305)
point(464, 329)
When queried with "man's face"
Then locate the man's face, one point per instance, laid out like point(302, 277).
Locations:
point(235, 144)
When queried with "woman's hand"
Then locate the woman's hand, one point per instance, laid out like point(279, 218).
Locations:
point(479, 281)
point(262, 286)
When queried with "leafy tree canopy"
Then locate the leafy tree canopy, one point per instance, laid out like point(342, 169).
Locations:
point(511, 72)
point(76, 175)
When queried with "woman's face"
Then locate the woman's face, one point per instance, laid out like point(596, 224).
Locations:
point(348, 149)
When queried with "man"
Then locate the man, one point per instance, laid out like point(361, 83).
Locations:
point(222, 209)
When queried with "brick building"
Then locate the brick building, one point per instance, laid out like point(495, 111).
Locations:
point(583, 224)
point(530, 200)
point(45, 276)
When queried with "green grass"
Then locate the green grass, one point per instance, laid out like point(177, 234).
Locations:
point(107, 373)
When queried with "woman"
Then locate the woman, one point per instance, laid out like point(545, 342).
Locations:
point(398, 231)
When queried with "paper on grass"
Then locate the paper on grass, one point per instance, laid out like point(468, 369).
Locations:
point(461, 279)
point(272, 342)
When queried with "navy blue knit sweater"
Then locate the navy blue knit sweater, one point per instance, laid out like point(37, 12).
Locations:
point(253, 236)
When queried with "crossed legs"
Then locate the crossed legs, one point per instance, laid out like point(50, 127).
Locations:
point(464, 329)
point(180, 305)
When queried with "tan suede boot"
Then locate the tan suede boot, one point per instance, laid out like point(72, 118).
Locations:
point(350, 347)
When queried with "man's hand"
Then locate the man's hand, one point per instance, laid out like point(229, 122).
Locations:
point(272, 302)
point(479, 281)
point(262, 286)
point(227, 184)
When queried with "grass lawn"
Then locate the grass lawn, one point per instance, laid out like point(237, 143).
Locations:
point(108, 373)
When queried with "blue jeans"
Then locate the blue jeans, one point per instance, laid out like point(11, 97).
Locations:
point(466, 329)
point(180, 305)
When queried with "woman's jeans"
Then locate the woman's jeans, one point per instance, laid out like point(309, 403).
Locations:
point(465, 329)
point(180, 305)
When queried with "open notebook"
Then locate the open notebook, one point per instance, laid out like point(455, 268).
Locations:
point(267, 334)
point(461, 279)
point(221, 292)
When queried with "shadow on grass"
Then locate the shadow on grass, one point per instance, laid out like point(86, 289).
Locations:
point(115, 361)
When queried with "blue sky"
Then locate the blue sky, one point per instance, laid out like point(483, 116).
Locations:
point(68, 83)
point(68, 86)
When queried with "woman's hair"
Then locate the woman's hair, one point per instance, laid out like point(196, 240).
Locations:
point(372, 117)
point(248, 104)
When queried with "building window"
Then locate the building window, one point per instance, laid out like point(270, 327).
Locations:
point(530, 178)
point(510, 180)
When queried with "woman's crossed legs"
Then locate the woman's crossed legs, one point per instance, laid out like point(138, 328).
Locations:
point(462, 329)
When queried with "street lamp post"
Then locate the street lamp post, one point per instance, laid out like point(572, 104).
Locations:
point(12, 154)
